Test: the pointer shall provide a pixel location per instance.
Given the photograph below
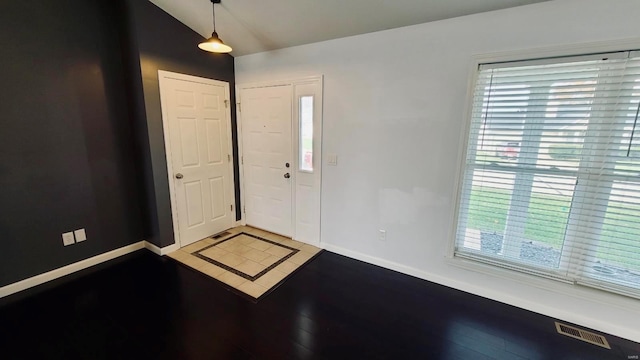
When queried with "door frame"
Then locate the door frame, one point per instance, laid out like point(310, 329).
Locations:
point(163, 77)
point(295, 133)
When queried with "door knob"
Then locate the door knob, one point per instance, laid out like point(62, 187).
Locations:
point(287, 175)
point(179, 176)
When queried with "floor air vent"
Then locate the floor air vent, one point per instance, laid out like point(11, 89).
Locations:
point(583, 335)
point(219, 235)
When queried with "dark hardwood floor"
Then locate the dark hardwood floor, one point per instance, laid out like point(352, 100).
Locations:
point(147, 307)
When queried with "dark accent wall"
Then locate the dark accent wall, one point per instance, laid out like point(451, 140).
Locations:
point(81, 141)
point(66, 138)
point(160, 42)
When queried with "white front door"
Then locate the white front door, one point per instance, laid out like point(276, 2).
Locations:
point(197, 124)
point(268, 163)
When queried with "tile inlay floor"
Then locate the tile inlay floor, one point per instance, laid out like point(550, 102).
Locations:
point(250, 260)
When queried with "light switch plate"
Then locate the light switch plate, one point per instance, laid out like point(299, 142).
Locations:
point(67, 239)
point(80, 234)
point(332, 159)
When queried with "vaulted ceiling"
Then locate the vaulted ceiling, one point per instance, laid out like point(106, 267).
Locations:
point(252, 26)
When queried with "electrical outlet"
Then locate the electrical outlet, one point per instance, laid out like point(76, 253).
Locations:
point(382, 236)
point(80, 234)
point(68, 239)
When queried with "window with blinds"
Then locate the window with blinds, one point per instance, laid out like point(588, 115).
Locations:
point(551, 182)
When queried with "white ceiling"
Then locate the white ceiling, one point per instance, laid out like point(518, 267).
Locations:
point(252, 26)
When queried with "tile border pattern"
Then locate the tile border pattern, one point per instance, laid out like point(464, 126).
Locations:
point(238, 272)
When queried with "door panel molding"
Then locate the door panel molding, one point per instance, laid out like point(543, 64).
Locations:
point(165, 77)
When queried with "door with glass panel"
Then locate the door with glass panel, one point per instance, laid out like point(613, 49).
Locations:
point(281, 127)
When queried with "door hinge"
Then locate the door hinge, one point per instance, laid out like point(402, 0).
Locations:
point(242, 160)
point(239, 107)
point(231, 207)
point(226, 103)
point(244, 209)
point(229, 157)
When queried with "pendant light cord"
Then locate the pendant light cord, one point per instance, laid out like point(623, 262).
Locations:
point(214, 14)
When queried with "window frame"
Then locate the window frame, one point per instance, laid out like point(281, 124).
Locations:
point(541, 54)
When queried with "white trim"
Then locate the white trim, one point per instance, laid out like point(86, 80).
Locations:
point(68, 269)
point(320, 157)
point(167, 148)
point(605, 298)
point(462, 156)
point(161, 251)
point(294, 138)
point(632, 334)
point(281, 82)
point(240, 153)
point(227, 94)
point(555, 60)
point(163, 76)
point(558, 51)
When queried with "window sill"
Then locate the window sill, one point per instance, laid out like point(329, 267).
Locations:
point(563, 288)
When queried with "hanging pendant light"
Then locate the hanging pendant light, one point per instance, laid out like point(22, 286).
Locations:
point(214, 44)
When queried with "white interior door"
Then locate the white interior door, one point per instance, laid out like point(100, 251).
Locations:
point(268, 163)
point(198, 125)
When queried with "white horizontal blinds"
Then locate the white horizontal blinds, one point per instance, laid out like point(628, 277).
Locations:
point(610, 257)
point(552, 179)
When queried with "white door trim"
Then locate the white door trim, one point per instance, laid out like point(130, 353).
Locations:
point(296, 81)
point(318, 79)
point(243, 219)
point(163, 76)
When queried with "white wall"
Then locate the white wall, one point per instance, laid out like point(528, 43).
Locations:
point(394, 117)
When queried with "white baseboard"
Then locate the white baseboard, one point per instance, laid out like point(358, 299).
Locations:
point(161, 251)
point(69, 269)
point(623, 332)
